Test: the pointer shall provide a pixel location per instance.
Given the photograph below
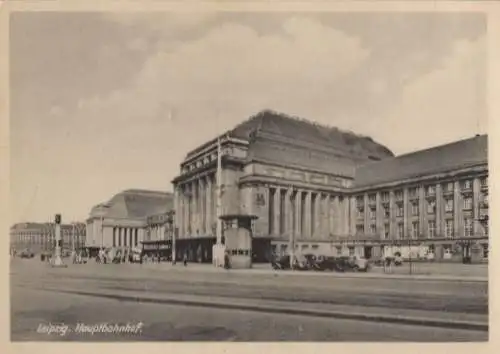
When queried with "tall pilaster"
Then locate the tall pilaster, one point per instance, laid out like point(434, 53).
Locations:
point(406, 213)
point(352, 215)
point(457, 211)
point(336, 229)
point(277, 212)
point(440, 213)
point(392, 215)
point(288, 213)
point(379, 216)
point(318, 216)
point(422, 212)
point(298, 213)
point(476, 191)
point(209, 203)
point(307, 214)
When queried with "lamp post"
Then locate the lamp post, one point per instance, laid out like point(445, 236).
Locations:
point(57, 257)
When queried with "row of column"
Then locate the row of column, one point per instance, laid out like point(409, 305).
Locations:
point(306, 214)
point(157, 232)
point(439, 216)
point(195, 205)
point(125, 237)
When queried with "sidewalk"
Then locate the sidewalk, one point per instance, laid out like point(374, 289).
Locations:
point(266, 269)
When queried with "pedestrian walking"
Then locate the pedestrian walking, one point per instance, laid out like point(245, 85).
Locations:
point(185, 260)
point(227, 265)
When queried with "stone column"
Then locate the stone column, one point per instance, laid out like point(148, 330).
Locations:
point(307, 215)
point(352, 216)
point(209, 211)
point(422, 212)
point(366, 215)
point(336, 227)
point(379, 216)
point(457, 211)
point(317, 217)
point(288, 213)
point(406, 213)
point(476, 192)
point(392, 215)
point(177, 208)
point(298, 213)
point(276, 212)
point(440, 213)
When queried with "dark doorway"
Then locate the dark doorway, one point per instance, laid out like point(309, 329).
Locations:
point(368, 252)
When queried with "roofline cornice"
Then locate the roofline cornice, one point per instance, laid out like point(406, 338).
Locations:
point(263, 179)
point(210, 146)
point(476, 169)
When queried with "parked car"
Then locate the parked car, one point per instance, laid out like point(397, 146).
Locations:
point(26, 253)
point(352, 263)
point(323, 263)
point(283, 262)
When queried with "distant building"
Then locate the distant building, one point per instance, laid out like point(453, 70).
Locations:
point(40, 237)
point(123, 220)
point(321, 190)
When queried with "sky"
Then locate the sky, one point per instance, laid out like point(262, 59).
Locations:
point(103, 102)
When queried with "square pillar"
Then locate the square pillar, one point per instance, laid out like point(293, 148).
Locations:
point(276, 211)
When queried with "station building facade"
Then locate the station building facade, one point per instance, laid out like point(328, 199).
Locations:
point(40, 237)
point(322, 190)
point(129, 218)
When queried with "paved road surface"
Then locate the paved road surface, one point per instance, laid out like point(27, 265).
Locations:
point(38, 296)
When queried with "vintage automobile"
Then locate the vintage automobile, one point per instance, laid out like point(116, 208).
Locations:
point(283, 262)
point(26, 253)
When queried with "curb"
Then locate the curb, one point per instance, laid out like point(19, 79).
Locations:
point(427, 322)
point(332, 274)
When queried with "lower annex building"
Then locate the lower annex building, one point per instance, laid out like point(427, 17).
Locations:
point(321, 190)
point(129, 219)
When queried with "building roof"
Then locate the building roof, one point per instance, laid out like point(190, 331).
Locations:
point(335, 151)
point(136, 204)
point(456, 155)
point(303, 130)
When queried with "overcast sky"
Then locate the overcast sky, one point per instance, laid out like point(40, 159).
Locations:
point(91, 94)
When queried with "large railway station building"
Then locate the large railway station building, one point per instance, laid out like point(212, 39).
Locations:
point(322, 190)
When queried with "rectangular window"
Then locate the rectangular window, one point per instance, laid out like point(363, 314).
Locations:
point(412, 192)
point(467, 203)
point(485, 251)
point(373, 214)
point(449, 187)
point(415, 230)
point(339, 250)
point(359, 213)
point(467, 227)
point(466, 185)
point(387, 212)
point(372, 198)
point(431, 207)
point(448, 228)
point(360, 202)
point(400, 233)
point(414, 209)
point(431, 190)
point(484, 182)
point(386, 231)
point(384, 196)
point(398, 195)
point(136, 237)
point(448, 206)
point(373, 229)
point(314, 247)
point(360, 229)
point(351, 251)
point(431, 228)
point(399, 210)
